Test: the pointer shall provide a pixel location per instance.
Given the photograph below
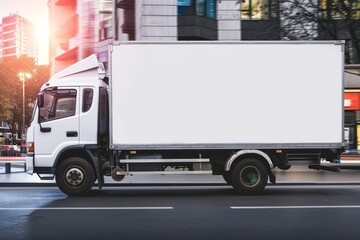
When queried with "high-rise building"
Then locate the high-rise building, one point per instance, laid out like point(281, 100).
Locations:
point(173, 20)
point(17, 37)
point(82, 27)
point(78, 28)
point(103, 29)
point(1, 38)
point(63, 34)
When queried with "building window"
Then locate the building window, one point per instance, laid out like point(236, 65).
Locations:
point(205, 8)
point(339, 10)
point(9, 43)
point(274, 9)
point(9, 51)
point(257, 9)
point(210, 9)
point(200, 7)
point(10, 35)
point(184, 3)
point(10, 19)
point(9, 28)
point(105, 31)
point(355, 13)
point(185, 7)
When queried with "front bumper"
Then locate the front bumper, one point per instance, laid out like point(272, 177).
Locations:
point(30, 163)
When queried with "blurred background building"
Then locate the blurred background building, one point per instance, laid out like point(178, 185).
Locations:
point(1, 39)
point(79, 28)
point(352, 106)
point(17, 37)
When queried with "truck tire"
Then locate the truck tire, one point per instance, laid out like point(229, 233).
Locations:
point(227, 177)
point(249, 176)
point(75, 176)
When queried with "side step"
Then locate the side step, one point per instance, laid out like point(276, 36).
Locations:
point(325, 168)
point(338, 165)
point(43, 176)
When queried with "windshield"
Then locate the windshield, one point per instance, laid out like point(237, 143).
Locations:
point(33, 112)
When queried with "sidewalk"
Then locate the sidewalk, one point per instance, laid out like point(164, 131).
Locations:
point(295, 175)
point(351, 155)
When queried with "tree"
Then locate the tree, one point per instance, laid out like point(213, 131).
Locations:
point(299, 19)
point(323, 20)
point(11, 89)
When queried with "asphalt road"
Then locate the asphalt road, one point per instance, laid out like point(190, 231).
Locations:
point(182, 212)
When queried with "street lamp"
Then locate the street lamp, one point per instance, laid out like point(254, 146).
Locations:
point(23, 76)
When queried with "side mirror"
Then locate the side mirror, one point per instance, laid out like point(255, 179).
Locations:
point(40, 100)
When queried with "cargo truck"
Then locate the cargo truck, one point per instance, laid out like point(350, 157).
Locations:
point(236, 109)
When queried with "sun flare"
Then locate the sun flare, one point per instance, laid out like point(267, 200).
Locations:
point(42, 36)
point(42, 32)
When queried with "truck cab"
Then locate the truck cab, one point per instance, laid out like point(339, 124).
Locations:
point(67, 117)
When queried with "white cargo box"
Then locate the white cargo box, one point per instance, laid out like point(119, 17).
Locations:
point(226, 95)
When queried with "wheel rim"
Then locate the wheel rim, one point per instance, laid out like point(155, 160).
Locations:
point(74, 176)
point(250, 176)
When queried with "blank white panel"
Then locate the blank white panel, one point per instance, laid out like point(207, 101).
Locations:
point(227, 93)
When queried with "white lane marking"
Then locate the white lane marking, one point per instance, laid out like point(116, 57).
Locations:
point(83, 208)
point(293, 207)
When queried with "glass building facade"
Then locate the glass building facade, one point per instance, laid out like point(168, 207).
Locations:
point(205, 8)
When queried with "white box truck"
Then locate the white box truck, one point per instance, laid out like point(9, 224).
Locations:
point(237, 109)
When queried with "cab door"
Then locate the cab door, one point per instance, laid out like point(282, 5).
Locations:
point(58, 124)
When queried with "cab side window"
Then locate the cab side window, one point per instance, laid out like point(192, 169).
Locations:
point(58, 103)
point(88, 94)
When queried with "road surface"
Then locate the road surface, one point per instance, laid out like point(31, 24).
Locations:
point(182, 212)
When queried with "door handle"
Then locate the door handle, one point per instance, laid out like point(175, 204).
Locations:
point(72, 134)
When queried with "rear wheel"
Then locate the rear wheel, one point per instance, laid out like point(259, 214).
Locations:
point(227, 177)
point(249, 176)
point(75, 176)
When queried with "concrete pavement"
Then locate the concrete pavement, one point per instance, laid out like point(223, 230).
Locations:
point(295, 175)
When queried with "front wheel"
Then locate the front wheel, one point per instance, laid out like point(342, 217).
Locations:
point(249, 176)
point(75, 176)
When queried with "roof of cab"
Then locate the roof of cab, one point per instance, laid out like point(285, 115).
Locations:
point(85, 70)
